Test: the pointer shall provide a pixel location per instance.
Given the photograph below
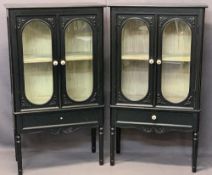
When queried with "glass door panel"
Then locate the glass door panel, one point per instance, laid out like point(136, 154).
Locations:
point(134, 59)
point(176, 58)
point(37, 59)
point(79, 60)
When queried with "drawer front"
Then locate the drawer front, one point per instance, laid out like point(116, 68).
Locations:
point(60, 119)
point(155, 118)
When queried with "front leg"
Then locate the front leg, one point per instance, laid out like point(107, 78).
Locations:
point(112, 146)
point(101, 145)
point(93, 140)
point(194, 151)
point(118, 140)
point(15, 143)
point(18, 153)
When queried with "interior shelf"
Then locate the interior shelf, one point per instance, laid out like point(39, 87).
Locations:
point(70, 57)
point(135, 57)
point(79, 57)
point(40, 59)
point(183, 58)
point(144, 57)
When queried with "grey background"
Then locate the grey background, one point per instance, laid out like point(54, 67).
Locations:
point(171, 149)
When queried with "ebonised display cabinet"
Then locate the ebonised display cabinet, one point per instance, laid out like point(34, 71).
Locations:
point(56, 57)
point(156, 57)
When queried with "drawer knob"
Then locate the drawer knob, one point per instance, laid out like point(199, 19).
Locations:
point(61, 118)
point(154, 117)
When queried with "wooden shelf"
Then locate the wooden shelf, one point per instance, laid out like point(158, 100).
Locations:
point(79, 57)
point(143, 57)
point(136, 57)
point(185, 58)
point(37, 59)
point(71, 57)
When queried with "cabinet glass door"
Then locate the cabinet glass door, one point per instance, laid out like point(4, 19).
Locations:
point(37, 61)
point(176, 60)
point(135, 59)
point(79, 60)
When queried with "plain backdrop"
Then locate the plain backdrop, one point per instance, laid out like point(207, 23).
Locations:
point(133, 142)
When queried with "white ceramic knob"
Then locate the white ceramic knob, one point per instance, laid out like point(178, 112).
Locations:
point(151, 61)
point(158, 61)
point(62, 62)
point(154, 117)
point(55, 63)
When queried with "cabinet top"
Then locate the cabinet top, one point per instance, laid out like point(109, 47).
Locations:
point(52, 5)
point(167, 5)
point(60, 5)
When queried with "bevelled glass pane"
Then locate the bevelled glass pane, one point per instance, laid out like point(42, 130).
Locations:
point(176, 57)
point(134, 59)
point(37, 58)
point(79, 60)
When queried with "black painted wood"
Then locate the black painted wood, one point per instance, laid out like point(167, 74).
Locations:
point(183, 116)
point(93, 140)
point(101, 145)
point(18, 153)
point(157, 5)
point(112, 146)
point(118, 140)
point(60, 112)
point(195, 150)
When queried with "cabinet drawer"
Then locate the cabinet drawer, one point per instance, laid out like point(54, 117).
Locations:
point(60, 119)
point(156, 118)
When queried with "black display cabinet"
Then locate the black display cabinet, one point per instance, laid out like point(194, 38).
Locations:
point(156, 57)
point(56, 57)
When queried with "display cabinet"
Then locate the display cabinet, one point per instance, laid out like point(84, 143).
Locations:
point(156, 57)
point(56, 57)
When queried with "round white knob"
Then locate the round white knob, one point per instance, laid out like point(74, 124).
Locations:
point(151, 61)
point(159, 61)
point(55, 63)
point(62, 62)
point(154, 117)
point(61, 118)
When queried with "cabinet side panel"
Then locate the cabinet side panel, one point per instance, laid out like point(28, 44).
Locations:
point(201, 23)
point(14, 68)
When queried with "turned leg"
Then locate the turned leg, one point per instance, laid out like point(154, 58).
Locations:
point(93, 140)
point(118, 140)
point(16, 150)
point(194, 151)
point(18, 153)
point(101, 145)
point(112, 146)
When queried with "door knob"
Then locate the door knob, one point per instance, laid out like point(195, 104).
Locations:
point(151, 61)
point(55, 63)
point(62, 62)
point(158, 61)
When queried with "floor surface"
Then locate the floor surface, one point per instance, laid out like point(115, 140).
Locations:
point(67, 162)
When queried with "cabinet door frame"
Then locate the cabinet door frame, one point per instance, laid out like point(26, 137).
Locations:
point(148, 19)
point(21, 22)
point(95, 22)
point(190, 99)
